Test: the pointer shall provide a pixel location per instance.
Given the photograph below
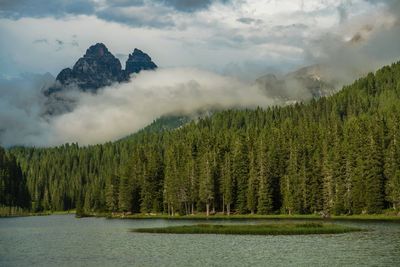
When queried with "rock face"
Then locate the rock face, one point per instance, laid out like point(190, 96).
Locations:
point(138, 61)
point(99, 68)
point(96, 69)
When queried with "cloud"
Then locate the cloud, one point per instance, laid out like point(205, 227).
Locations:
point(125, 108)
point(61, 8)
point(190, 5)
point(43, 8)
point(240, 38)
point(283, 34)
point(360, 44)
point(151, 16)
point(249, 20)
point(21, 101)
point(121, 109)
point(179, 5)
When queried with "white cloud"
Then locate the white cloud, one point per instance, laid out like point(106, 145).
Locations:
point(209, 38)
point(124, 108)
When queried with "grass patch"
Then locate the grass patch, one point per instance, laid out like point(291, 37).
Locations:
point(256, 229)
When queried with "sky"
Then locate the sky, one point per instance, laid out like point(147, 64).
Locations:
point(243, 38)
point(209, 53)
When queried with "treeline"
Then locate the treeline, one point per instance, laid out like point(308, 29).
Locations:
point(14, 195)
point(339, 155)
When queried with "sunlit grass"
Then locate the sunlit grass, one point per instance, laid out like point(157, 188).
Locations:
point(256, 229)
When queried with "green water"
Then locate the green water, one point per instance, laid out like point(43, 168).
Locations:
point(62, 240)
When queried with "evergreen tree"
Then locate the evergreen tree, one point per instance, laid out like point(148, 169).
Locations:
point(206, 183)
point(112, 191)
point(240, 172)
point(265, 204)
point(373, 177)
point(252, 184)
point(227, 183)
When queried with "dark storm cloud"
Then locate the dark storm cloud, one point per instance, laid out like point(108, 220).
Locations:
point(16, 9)
point(125, 3)
point(140, 16)
point(187, 5)
point(153, 14)
point(136, 13)
point(180, 5)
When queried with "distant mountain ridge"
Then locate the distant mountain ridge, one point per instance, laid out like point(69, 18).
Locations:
point(302, 84)
point(99, 68)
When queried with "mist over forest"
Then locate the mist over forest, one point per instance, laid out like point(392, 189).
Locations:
point(362, 37)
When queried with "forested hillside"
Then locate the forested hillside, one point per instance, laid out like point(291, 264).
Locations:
point(339, 154)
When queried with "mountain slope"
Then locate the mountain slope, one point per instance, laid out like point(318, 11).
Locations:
point(339, 154)
point(303, 84)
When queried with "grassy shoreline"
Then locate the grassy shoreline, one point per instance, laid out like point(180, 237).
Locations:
point(43, 213)
point(202, 216)
point(371, 217)
point(257, 229)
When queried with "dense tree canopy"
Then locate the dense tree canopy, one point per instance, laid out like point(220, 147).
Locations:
point(13, 191)
point(339, 154)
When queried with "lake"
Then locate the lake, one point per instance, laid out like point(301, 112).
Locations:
point(63, 240)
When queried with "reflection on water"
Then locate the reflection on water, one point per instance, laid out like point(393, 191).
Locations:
point(62, 240)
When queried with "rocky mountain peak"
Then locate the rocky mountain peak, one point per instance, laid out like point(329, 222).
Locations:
point(97, 68)
point(139, 56)
point(96, 51)
point(138, 61)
